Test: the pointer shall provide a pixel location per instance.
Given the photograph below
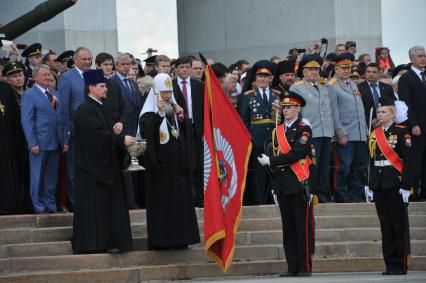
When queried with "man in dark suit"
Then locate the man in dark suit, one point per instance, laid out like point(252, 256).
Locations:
point(114, 105)
point(130, 92)
point(44, 133)
point(412, 90)
point(371, 90)
point(133, 101)
point(70, 96)
point(189, 94)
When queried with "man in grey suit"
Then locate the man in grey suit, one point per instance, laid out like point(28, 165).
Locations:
point(44, 133)
point(70, 96)
point(351, 132)
point(319, 113)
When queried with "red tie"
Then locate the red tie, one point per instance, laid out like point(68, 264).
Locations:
point(52, 99)
point(185, 96)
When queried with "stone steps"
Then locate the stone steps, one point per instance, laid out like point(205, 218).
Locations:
point(330, 237)
point(35, 248)
point(265, 211)
point(191, 255)
point(50, 234)
point(116, 273)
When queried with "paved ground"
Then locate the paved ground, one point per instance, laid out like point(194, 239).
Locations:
point(365, 277)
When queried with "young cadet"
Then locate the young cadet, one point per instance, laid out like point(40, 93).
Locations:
point(292, 162)
point(391, 180)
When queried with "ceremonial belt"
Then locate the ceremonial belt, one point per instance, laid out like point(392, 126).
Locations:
point(262, 121)
point(387, 151)
point(300, 167)
point(382, 163)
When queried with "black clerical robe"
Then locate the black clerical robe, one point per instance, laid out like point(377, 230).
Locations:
point(101, 217)
point(10, 120)
point(171, 218)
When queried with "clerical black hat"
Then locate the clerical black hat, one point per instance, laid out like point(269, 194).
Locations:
point(13, 67)
point(94, 77)
point(65, 56)
point(285, 67)
point(400, 70)
point(344, 59)
point(32, 50)
point(386, 101)
point(293, 98)
point(264, 67)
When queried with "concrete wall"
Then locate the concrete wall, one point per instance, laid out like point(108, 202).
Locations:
point(228, 30)
point(89, 23)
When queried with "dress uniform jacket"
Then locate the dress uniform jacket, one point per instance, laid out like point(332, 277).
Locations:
point(387, 176)
point(285, 181)
point(346, 102)
point(257, 116)
point(317, 109)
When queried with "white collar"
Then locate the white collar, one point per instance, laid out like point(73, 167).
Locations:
point(43, 90)
point(289, 124)
point(417, 71)
point(79, 71)
point(386, 127)
point(121, 77)
point(261, 88)
point(95, 99)
point(179, 80)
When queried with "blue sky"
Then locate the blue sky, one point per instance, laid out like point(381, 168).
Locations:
point(144, 23)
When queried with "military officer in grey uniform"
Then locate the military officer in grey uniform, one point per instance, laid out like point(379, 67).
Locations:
point(351, 132)
point(320, 116)
point(255, 111)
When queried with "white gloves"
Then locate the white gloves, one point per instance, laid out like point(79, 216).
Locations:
point(264, 160)
point(405, 195)
point(311, 197)
point(369, 195)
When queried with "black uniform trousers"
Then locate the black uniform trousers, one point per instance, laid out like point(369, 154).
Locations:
point(394, 225)
point(419, 165)
point(298, 224)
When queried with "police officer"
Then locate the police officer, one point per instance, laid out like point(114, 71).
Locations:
point(319, 114)
point(292, 163)
point(350, 132)
point(33, 58)
point(390, 184)
point(255, 111)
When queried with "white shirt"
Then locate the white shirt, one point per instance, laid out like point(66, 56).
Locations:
point(386, 127)
point(266, 91)
point(377, 88)
point(417, 71)
point(122, 79)
point(188, 94)
point(289, 124)
point(80, 72)
point(97, 100)
point(43, 90)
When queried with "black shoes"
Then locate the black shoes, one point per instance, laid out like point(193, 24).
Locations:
point(298, 274)
point(392, 272)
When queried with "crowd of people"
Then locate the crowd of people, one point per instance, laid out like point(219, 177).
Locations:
point(354, 126)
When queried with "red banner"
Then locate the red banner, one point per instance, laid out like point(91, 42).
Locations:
point(227, 147)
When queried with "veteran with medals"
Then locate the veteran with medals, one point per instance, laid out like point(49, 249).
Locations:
point(257, 112)
point(170, 212)
point(293, 182)
point(390, 185)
